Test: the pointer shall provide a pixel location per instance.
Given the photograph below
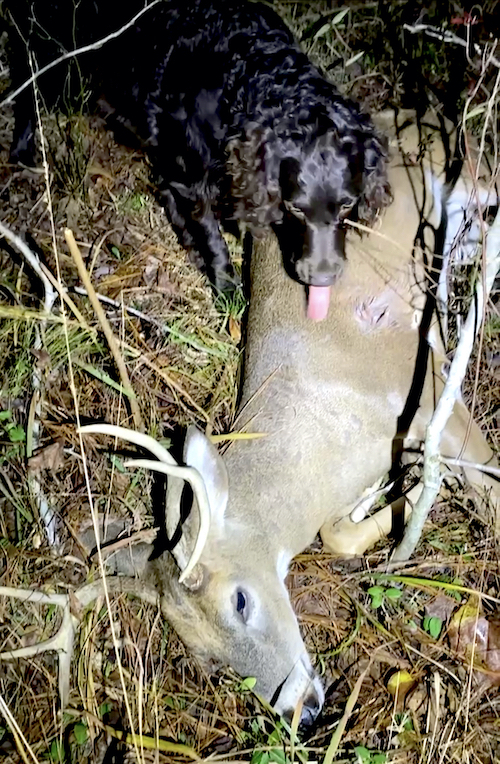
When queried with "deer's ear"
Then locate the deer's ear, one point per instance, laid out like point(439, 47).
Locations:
point(201, 454)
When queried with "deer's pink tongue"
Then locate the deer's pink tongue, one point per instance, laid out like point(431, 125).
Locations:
point(317, 302)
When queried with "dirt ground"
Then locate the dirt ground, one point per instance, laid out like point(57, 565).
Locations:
point(409, 654)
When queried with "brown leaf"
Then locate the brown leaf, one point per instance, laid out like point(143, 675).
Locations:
point(75, 605)
point(49, 458)
point(165, 284)
point(441, 607)
point(73, 210)
point(42, 358)
point(150, 272)
point(234, 329)
point(95, 169)
point(476, 637)
point(418, 701)
point(493, 653)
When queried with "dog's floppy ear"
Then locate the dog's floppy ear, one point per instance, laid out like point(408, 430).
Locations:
point(376, 191)
point(254, 168)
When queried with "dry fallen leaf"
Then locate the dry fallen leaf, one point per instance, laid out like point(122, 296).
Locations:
point(49, 458)
point(476, 639)
point(95, 169)
point(441, 607)
point(42, 358)
point(150, 271)
point(165, 284)
point(234, 329)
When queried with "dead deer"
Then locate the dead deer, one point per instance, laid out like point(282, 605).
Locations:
point(326, 397)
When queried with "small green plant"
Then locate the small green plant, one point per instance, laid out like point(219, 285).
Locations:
point(365, 756)
point(380, 595)
point(133, 202)
point(271, 747)
point(455, 581)
point(15, 432)
point(404, 721)
point(492, 327)
point(139, 202)
point(432, 625)
point(80, 732)
point(247, 684)
point(275, 753)
point(231, 305)
point(56, 752)
point(105, 708)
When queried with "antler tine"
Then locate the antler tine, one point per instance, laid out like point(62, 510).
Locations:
point(138, 438)
point(167, 466)
point(63, 640)
point(194, 478)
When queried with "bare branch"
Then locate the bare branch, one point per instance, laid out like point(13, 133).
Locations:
point(451, 392)
point(77, 52)
point(34, 261)
point(445, 36)
point(473, 466)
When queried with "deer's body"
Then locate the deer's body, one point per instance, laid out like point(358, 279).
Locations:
point(327, 396)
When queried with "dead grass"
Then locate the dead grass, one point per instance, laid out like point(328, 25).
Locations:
point(182, 356)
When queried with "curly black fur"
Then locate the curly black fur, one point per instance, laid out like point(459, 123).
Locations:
point(240, 126)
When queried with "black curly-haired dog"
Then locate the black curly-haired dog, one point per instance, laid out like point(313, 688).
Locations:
point(238, 123)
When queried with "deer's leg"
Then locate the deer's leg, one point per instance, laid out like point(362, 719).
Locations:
point(346, 538)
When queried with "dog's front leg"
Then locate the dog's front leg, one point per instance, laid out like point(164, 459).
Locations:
point(198, 231)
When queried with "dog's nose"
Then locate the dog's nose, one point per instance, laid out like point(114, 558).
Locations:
point(322, 279)
point(324, 273)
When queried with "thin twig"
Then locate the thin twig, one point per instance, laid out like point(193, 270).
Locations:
point(34, 262)
point(108, 332)
point(154, 322)
point(445, 36)
point(45, 510)
point(72, 385)
point(77, 52)
point(349, 708)
point(473, 466)
point(63, 294)
point(175, 386)
point(21, 743)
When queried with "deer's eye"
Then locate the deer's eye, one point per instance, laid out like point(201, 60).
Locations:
point(242, 604)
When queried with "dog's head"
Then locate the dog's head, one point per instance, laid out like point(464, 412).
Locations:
point(338, 175)
point(307, 184)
